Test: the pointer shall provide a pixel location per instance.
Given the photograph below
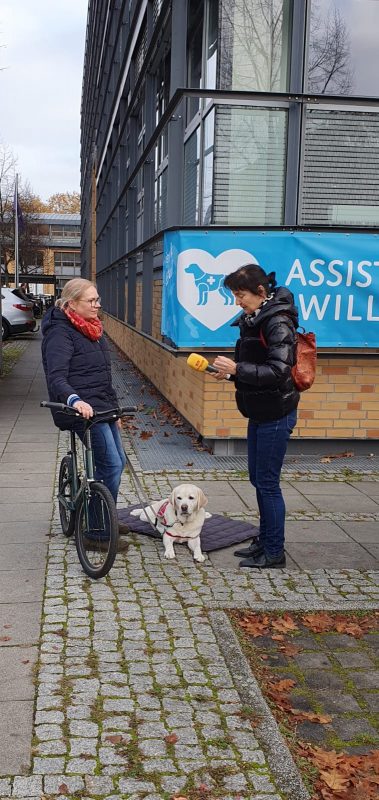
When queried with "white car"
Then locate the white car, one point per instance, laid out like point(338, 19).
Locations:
point(16, 314)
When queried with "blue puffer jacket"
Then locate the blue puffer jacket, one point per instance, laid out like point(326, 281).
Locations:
point(74, 364)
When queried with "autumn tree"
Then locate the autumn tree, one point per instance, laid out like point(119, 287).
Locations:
point(64, 203)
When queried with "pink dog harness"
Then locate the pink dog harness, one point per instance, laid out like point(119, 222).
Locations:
point(160, 517)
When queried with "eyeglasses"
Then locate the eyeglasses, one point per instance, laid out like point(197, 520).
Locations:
point(96, 301)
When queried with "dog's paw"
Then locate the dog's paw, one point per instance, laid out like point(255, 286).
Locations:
point(200, 558)
point(207, 515)
point(169, 555)
point(136, 512)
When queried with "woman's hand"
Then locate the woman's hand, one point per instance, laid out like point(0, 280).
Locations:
point(84, 409)
point(225, 365)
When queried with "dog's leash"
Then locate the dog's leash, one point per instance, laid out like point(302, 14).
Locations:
point(141, 494)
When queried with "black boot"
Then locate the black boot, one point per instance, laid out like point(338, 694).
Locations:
point(255, 548)
point(264, 562)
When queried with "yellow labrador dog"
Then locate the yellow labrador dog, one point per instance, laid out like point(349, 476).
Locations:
point(179, 518)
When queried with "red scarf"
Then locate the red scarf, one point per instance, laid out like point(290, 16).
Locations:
point(92, 328)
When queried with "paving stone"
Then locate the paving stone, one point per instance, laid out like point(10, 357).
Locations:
point(348, 728)
point(323, 679)
point(372, 701)
point(352, 660)
point(27, 787)
point(98, 785)
point(129, 785)
point(82, 766)
point(312, 660)
point(365, 680)
point(336, 702)
point(74, 784)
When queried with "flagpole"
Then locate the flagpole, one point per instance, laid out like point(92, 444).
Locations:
point(16, 265)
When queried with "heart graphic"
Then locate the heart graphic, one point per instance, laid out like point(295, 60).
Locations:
point(200, 286)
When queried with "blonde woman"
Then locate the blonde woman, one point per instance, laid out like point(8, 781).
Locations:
point(78, 372)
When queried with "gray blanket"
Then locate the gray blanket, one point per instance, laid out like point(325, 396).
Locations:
point(217, 532)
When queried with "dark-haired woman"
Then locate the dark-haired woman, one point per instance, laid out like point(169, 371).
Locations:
point(266, 394)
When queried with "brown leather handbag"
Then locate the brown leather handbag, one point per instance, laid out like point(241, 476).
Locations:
point(304, 370)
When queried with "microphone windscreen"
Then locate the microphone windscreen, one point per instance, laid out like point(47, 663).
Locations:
point(197, 362)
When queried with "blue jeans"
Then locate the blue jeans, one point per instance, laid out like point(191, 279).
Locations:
point(109, 456)
point(267, 445)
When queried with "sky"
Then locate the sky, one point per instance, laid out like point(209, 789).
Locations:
point(41, 60)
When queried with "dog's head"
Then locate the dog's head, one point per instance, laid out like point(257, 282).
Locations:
point(187, 499)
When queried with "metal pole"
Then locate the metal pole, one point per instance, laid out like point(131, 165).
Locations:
point(16, 266)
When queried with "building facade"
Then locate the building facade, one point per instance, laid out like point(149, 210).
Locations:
point(210, 127)
point(53, 251)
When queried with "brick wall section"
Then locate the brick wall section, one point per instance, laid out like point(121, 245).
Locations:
point(157, 310)
point(139, 304)
point(343, 402)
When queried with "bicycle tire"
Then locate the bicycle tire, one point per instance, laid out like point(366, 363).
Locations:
point(95, 554)
point(67, 517)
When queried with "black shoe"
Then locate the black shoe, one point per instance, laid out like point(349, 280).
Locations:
point(264, 562)
point(255, 548)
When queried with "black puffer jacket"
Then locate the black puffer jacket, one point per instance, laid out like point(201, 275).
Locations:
point(74, 364)
point(264, 387)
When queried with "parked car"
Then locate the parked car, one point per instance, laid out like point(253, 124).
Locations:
point(16, 314)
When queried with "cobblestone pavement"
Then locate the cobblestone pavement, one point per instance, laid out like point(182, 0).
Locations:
point(141, 684)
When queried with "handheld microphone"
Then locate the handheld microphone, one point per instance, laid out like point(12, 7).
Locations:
point(200, 363)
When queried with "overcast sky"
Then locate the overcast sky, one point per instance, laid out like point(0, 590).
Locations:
point(41, 55)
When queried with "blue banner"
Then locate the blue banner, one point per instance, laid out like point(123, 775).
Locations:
point(334, 278)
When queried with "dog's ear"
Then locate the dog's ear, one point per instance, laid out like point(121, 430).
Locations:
point(202, 500)
point(172, 498)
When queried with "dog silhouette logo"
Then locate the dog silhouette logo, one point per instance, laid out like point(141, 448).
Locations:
point(200, 285)
point(206, 282)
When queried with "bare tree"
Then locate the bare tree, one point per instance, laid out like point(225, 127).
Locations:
point(30, 242)
point(7, 182)
point(254, 53)
point(329, 67)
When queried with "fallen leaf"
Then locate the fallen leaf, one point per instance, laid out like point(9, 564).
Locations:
point(284, 624)
point(282, 686)
point(171, 738)
point(327, 459)
point(146, 434)
point(63, 788)
point(255, 625)
point(334, 780)
point(5, 638)
point(115, 739)
point(323, 719)
point(319, 622)
point(289, 649)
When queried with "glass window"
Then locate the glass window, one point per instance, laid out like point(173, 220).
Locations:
point(341, 168)
point(206, 214)
point(195, 53)
point(65, 231)
point(254, 50)
point(343, 47)
point(211, 44)
point(66, 260)
point(249, 166)
point(191, 179)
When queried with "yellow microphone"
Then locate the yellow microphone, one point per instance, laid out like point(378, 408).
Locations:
point(200, 363)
